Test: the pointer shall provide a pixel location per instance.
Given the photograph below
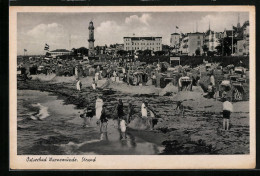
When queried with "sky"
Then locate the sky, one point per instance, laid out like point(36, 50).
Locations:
point(35, 29)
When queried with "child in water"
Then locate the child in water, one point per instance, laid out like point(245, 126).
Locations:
point(123, 128)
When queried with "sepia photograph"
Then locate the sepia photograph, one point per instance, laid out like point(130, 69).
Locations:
point(165, 83)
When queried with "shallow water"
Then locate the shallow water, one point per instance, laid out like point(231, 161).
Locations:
point(48, 127)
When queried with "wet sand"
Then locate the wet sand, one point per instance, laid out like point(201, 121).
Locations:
point(199, 131)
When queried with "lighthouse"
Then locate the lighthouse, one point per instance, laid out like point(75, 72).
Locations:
point(91, 39)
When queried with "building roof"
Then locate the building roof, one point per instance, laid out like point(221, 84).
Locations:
point(175, 33)
point(143, 38)
point(209, 31)
point(196, 33)
point(60, 50)
point(229, 32)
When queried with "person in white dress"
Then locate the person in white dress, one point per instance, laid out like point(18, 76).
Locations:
point(78, 85)
point(99, 105)
point(96, 76)
point(123, 128)
point(144, 110)
point(94, 84)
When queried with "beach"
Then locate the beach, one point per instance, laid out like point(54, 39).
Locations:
point(198, 131)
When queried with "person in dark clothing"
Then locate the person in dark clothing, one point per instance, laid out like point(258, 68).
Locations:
point(120, 111)
point(130, 111)
point(103, 121)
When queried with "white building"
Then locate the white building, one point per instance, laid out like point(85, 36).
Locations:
point(175, 40)
point(192, 42)
point(212, 39)
point(143, 43)
point(59, 52)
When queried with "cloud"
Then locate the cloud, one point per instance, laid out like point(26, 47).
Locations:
point(34, 39)
point(218, 22)
point(47, 30)
point(144, 19)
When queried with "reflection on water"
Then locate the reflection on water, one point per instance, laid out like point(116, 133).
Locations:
point(57, 130)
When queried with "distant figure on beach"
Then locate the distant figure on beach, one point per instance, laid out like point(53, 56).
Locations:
point(130, 112)
point(96, 76)
point(78, 84)
point(103, 121)
point(212, 79)
point(123, 128)
point(99, 107)
point(144, 109)
point(86, 116)
point(120, 111)
point(76, 71)
point(210, 90)
point(94, 84)
point(227, 110)
point(114, 75)
point(149, 121)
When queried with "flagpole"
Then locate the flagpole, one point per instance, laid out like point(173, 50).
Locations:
point(232, 39)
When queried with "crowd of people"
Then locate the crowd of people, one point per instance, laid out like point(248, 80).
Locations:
point(122, 117)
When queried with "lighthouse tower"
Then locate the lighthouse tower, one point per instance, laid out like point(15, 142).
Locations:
point(91, 39)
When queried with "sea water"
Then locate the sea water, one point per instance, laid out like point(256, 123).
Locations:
point(46, 126)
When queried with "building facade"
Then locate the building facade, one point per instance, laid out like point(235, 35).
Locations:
point(243, 45)
point(192, 42)
point(142, 43)
point(59, 52)
point(91, 40)
point(211, 39)
point(175, 40)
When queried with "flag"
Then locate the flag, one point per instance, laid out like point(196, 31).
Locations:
point(25, 50)
point(177, 27)
point(46, 46)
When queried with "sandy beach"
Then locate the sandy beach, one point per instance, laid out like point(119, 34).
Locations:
point(187, 134)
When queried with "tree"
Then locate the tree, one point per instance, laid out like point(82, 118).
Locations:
point(205, 48)
point(121, 52)
point(159, 53)
point(197, 52)
point(81, 51)
point(225, 46)
point(147, 52)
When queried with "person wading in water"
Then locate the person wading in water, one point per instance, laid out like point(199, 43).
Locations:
point(120, 111)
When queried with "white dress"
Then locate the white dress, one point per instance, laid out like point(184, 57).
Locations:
point(144, 110)
point(123, 126)
point(94, 86)
point(99, 104)
point(78, 85)
point(96, 76)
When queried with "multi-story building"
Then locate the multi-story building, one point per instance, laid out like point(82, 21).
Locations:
point(175, 40)
point(191, 42)
point(243, 45)
point(59, 52)
point(211, 39)
point(143, 43)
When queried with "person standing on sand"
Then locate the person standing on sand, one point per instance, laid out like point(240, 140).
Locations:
point(151, 117)
point(99, 107)
point(96, 76)
point(120, 111)
point(87, 115)
point(78, 84)
point(130, 111)
point(144, 110)
point(227, 110)
point(94, 84)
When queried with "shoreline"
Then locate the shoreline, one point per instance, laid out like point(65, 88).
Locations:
point(179, 135)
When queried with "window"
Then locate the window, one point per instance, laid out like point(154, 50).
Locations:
point(199, 43)
point(198, 37)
